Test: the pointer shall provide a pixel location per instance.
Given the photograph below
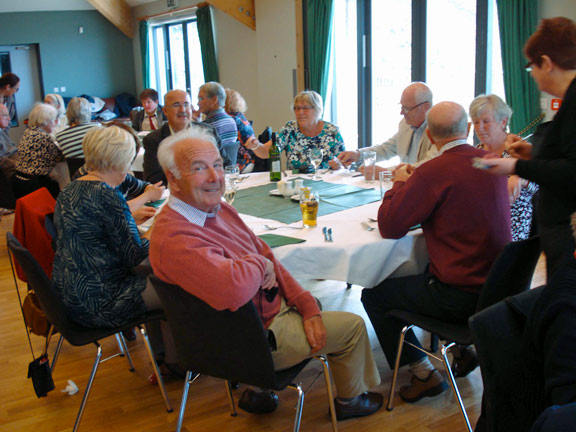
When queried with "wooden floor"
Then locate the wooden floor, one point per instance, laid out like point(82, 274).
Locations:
point(124, 401)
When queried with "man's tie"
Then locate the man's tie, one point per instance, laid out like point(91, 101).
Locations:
point(152, 127)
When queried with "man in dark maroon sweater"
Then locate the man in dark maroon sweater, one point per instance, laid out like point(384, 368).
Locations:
point(465, 216)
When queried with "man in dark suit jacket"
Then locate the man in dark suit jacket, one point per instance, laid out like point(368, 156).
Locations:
point(178, 111)
point(151, 117)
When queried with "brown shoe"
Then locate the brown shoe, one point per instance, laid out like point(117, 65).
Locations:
point(364, 405)
point(465, 363)
point(433, 385)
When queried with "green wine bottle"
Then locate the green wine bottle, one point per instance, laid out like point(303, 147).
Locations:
point(275, 171)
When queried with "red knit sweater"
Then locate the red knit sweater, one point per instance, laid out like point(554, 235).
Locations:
point(222, 263)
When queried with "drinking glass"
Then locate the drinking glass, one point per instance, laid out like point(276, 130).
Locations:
point(386, 178)
point(369, 158)
point(230, 191)
point(316, 155)
point(232, 172)
point(309, 207)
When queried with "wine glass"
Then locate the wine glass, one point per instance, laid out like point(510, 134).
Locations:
point(232, 172)
point(316, 155)
point(230, 191)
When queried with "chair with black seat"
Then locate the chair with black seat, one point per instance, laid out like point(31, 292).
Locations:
point(229, 345)
point(74, 164)
point(510, 274)
point(76, 334)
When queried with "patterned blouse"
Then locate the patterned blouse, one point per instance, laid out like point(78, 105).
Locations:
point(297, 145)
point(98, 245)
point(38, 152)
point(245, 131)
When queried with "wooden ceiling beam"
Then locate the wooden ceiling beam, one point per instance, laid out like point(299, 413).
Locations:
point(242, 10)
point(118, 13)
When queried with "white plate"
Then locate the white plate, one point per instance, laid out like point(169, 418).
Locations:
point(295, 197)
point(275, 192)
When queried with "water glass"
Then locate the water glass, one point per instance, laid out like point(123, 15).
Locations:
point(369, 158)
point(309, 207)
point(232, 172)
point(386, 179)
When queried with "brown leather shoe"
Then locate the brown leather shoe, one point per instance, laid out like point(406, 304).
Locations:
point(465, 363)
point(254, 402)
point(433, 385)
point(364, 405)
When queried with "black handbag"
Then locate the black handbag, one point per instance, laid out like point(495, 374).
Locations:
point(39, 371)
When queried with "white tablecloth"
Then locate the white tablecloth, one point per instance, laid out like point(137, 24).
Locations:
point(356, 256)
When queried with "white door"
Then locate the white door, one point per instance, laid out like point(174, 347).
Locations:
point(25, 63)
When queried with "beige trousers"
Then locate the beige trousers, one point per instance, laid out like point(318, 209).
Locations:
point(347, 348)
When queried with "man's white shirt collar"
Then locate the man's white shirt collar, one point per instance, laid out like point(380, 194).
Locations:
point(192, 214)
point(452, 144)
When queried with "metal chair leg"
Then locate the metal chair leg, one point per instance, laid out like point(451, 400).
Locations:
point(444, 351)
point(120, 345)
point(329, 390)
point(155, 367)
point(233, 412)
point(56, 354)
point(390, 406)
point(299, 405)
point(187, 381)
point(88, 386)
point(124, 349)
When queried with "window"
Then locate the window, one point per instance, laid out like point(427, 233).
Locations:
point(395, 43)
point(175, 56)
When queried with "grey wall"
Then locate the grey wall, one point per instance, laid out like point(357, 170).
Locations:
point(99, 62)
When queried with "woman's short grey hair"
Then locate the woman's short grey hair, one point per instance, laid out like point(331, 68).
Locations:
point(166, 149)
point(310, 97)
point(492, 102)
point(41, 115)
point(57, 102)
point(108, 149)
point(212, 88)
point(79, 111)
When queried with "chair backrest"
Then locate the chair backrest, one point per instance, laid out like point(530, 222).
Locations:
point(223, 344)
point(74, 164)
point(42, 286)
point(511, 272)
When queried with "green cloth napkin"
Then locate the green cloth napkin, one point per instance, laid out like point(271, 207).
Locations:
point(275, 240)
point(155, 204)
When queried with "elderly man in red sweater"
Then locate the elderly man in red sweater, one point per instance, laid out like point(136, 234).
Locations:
point(201, 244)
point(465, 216)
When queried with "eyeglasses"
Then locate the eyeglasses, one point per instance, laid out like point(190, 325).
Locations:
point(303, 108)
point(528, 66)
point(178, 105)
point(404, 110)
point(5, 116)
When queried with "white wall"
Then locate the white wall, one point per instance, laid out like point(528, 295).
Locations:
point(258, 64)
point(554, 8)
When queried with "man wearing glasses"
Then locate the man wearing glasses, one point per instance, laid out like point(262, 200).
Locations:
point(410, 142)
point(178, 110)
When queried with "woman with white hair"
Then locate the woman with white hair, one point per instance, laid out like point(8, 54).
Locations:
point(57, 102)
point(38, 153)
point(309, 131)
point(490, 116)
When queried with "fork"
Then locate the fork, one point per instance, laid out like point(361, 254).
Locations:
point(274, 227)
point(366, 226)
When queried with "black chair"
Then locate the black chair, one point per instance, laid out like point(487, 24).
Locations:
point(76, 334)
point(229, 345)
point(510, 274)
point(498, 333)
point(7, 198)
point(74, 164)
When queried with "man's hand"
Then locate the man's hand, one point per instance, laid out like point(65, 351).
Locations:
point(154, 191)
point(517, 147)
point(269, 276)
point(347, 157)
point(143, 214)
point(315, 333)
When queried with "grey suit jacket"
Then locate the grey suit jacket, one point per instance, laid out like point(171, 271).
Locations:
point(139, 117)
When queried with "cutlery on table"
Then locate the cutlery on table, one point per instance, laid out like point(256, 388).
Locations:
point(329, 234)
point(325, 232)
point(274, 227)
point(366, 226)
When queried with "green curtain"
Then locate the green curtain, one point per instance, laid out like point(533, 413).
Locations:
point(145, 54)
point(319, 29)
point(517, 21)
point(207, 45)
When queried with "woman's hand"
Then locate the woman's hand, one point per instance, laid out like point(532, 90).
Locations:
point(517, 147)
point(514, 188)
point(143, 213)
point(154, 191)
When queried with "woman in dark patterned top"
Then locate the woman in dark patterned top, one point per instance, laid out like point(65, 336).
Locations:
point(38, 153)
point(307, 132)
point(490, 116)
point(98, 242)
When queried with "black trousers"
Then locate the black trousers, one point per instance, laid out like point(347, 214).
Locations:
point(422, 294)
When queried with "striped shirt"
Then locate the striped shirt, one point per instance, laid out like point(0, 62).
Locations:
point(224, 125)
point(70, 140)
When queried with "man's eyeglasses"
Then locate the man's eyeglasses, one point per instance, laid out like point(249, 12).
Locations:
point(303, 108)
point(404, 110)
point(178, 105)
point(5, 116)
point(528, 66)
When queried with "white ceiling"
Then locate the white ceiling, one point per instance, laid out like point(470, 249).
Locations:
point(54, 5)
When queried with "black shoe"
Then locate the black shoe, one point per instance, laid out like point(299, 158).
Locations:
point(171, 371)
point(364, 405)
point(263, 402)
point(129, 334)
point(465, 363)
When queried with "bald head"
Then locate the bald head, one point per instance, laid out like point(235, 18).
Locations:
point(416, 100)
point(447, 121)
point(4, 117)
